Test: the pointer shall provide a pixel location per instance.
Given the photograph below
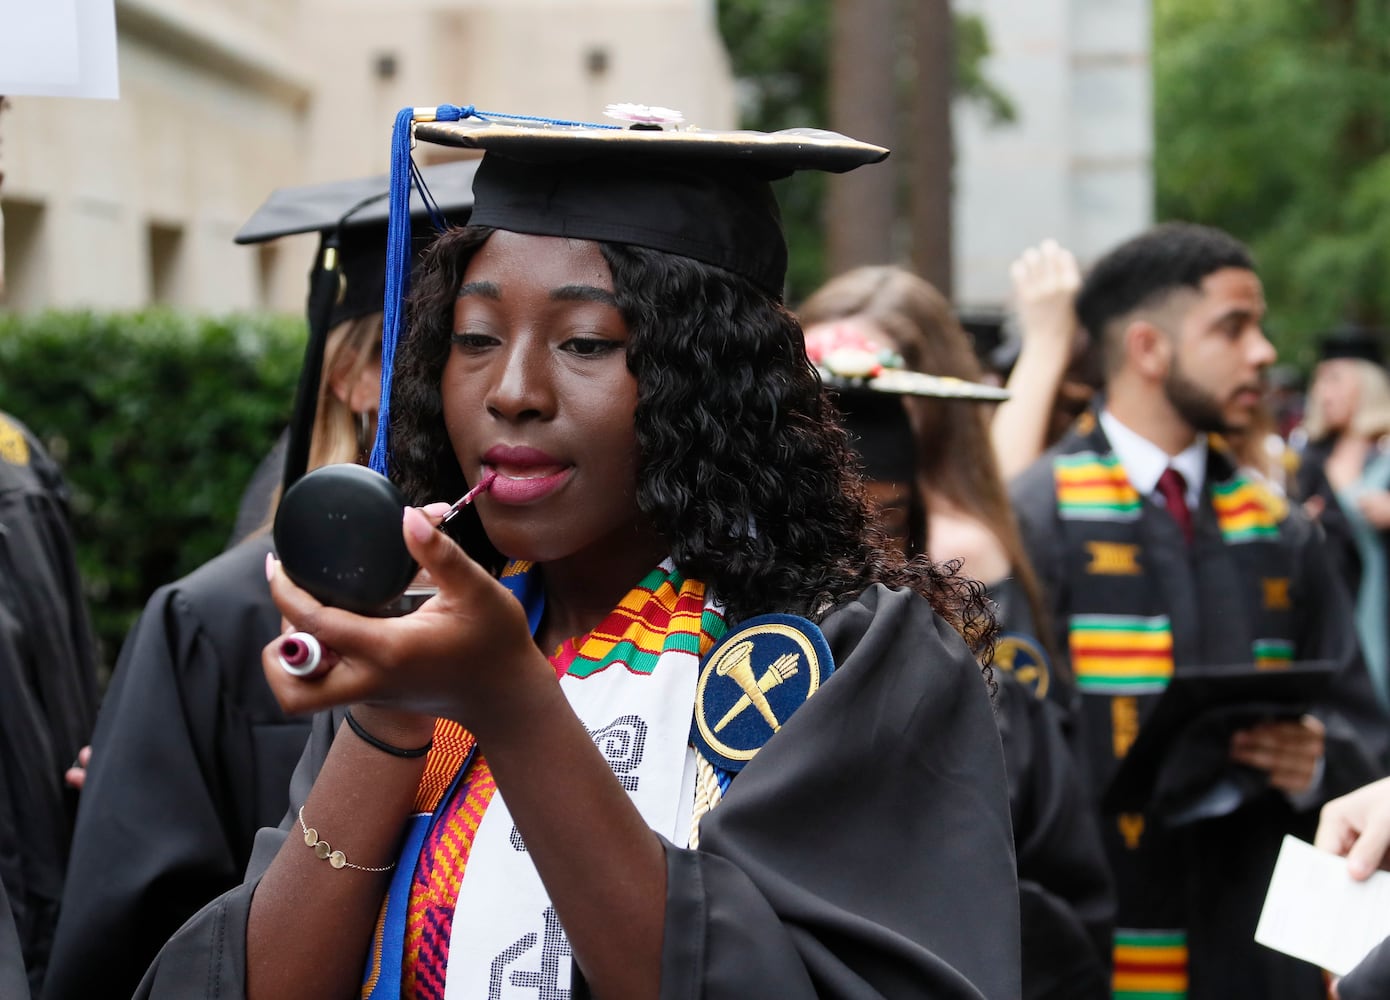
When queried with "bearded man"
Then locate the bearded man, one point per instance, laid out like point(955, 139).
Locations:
point(1163, 562)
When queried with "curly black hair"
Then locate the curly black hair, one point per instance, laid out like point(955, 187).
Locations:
point(744, 466)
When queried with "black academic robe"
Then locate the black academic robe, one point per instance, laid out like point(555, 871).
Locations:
point(1215, 872)
point(14, 983)
point(47, 686)
point(191, 756)
point(864, 852)
point(1066, 899)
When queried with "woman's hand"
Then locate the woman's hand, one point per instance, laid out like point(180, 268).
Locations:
point(465, 654)
point(1045, 280)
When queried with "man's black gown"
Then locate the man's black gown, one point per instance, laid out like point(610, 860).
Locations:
point(1217, 870)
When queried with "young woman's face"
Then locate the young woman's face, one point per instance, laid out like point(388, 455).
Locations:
point(537, 389)
point(1337, 393)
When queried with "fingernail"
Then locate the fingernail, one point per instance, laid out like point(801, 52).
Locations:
point(270, 565)
point(415, 523)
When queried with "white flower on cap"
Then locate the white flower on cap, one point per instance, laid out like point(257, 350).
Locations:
point(643, 114)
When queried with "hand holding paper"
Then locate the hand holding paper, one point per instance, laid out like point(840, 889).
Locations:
point(1316, 911)
point(1357, 826)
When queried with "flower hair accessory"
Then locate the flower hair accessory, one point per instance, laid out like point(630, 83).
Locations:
point(643, 114)
point(843, 351)
point(848, 359)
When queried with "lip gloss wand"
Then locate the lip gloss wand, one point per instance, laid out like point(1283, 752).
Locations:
point(483, 486)
point(303, 656)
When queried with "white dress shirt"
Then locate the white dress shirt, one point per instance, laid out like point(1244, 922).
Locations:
point(1145, 461)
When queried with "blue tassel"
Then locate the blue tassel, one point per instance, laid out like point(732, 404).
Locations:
point(397, 277)
point(398, 246)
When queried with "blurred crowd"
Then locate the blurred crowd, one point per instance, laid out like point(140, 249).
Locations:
point(1159, 499)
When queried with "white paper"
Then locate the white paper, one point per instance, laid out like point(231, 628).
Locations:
point(58, 48)
point(1317, 912)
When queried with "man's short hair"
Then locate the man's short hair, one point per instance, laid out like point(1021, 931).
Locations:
point(1145, 270)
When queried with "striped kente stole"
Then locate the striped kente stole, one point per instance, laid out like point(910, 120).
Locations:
point(1150, 965)
point(1124, 652)
point(1133, 653)
point(663, 612)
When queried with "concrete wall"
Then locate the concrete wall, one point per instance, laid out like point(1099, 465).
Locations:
point(120, 204)
point(1077, 166)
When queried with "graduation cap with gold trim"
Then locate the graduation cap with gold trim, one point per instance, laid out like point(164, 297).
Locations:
point(653, 182)
point(348, 278)
point(869, 382)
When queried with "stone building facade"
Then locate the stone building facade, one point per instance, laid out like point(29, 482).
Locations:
point(117, 205)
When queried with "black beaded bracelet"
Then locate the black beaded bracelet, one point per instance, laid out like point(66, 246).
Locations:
point(382, 745)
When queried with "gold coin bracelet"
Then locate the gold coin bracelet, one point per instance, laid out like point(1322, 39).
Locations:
point(324, 852)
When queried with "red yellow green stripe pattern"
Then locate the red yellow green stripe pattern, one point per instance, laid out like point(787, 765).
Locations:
point(664, 611)
point(1121, 654)
point(1273, 654)
point(1245, 511)
point(1092, 487)
point(1150, 965)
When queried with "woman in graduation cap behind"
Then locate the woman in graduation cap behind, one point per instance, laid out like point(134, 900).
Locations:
point(927, 458)
point(192, 752)
point(607, 341)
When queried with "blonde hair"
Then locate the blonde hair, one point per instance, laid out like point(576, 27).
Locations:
point(1372, 416)
point(350, 347)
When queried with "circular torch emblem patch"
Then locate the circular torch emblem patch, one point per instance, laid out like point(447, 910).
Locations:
point(752, 682)
point(1023, 656)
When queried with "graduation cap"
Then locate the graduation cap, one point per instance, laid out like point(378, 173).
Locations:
point(657, 184)
point(869, 383)
point(652, 182)
point(1357, 343)
point(1179, 768)
point(348, 278)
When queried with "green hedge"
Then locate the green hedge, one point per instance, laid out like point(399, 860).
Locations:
point(158, 418)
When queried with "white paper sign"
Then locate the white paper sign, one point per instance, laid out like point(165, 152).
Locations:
point(58, 48)
point(1316, 911)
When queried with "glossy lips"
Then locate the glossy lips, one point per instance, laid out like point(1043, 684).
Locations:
point(524, 475)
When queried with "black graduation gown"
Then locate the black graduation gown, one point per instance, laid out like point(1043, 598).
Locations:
point(254, 508)
point(865, 852)
point(1219, 869)
point(1066, 900)
point(191, 756)
point(14, 984)
point(47, 686)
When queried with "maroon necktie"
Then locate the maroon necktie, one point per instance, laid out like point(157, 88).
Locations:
point(1173, 488)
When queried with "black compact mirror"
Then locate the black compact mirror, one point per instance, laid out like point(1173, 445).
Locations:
point(338, 535)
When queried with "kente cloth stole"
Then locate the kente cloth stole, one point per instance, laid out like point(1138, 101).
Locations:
point(1121, 646)
point(453, 926)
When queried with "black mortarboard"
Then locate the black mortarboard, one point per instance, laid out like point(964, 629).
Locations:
point(703, 195)
point(1358, 343)
point(653, 183)
point(1179, 768)
point(348, 279)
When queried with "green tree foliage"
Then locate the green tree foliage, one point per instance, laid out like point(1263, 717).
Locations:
point(780, 51)
point(158, 420)
point(1272, 121)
